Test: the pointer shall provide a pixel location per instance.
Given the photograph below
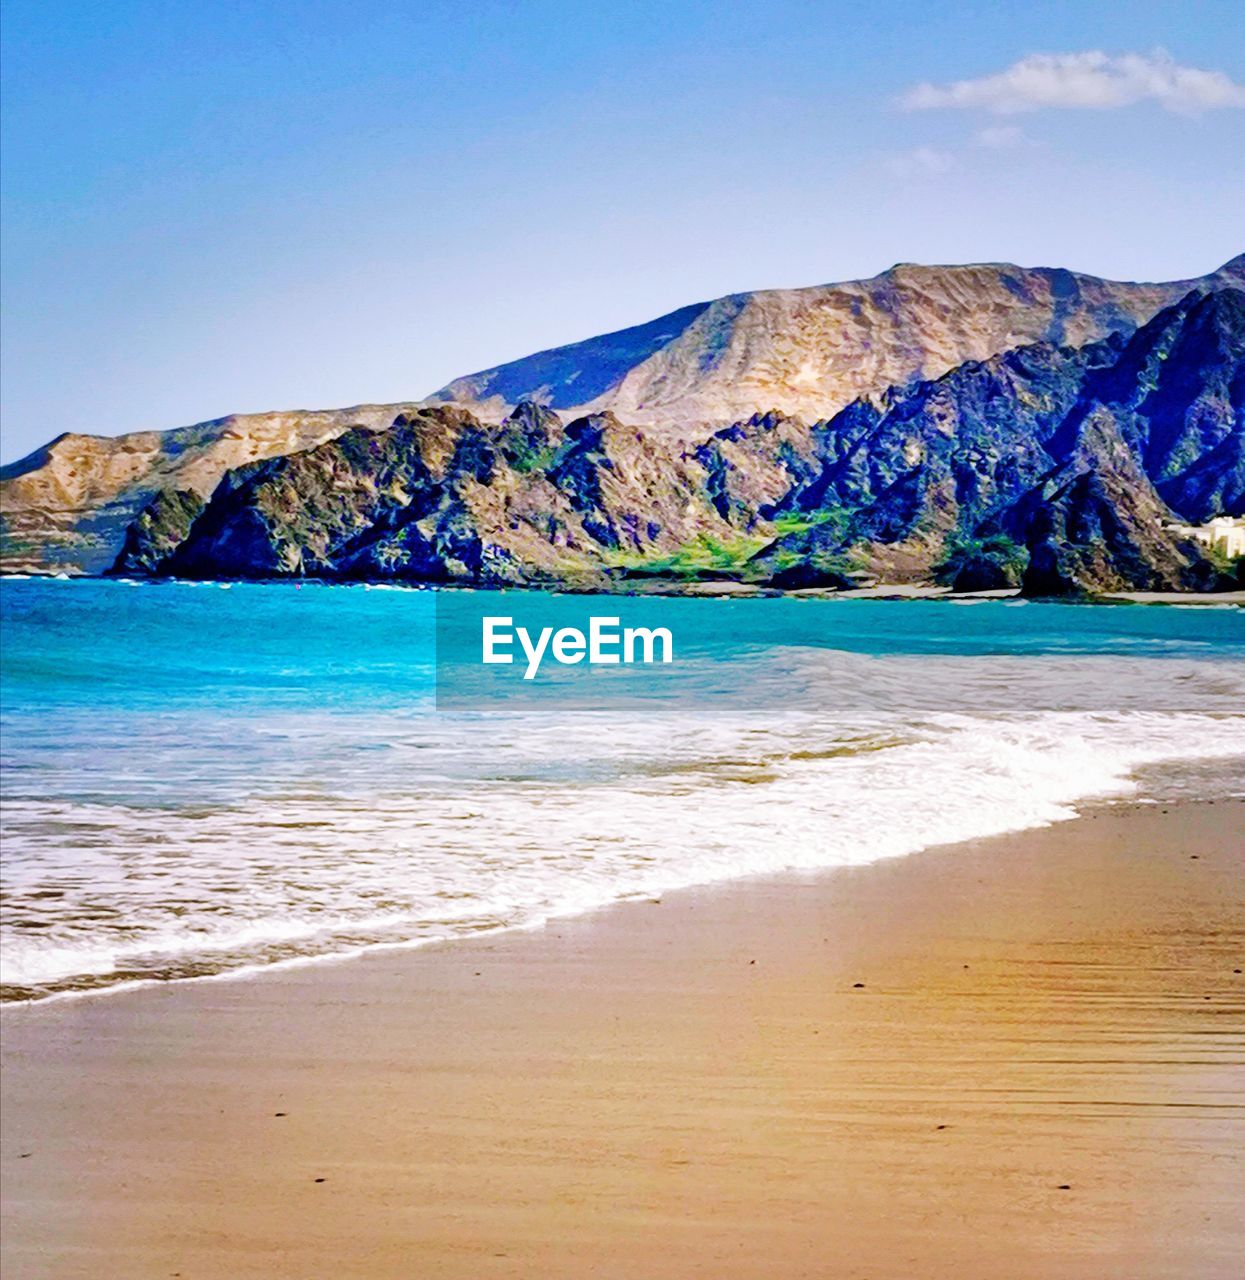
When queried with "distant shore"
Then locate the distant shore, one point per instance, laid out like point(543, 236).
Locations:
point(734, 590)
point(1018, 1057)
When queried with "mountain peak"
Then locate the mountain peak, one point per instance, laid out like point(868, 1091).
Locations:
point(808, 352)
point(1234, 268)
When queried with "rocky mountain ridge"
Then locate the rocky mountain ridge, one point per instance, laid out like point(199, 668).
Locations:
point(776, 356)
point(68, 504)
point(1040, 466)
point(1099, 447)
point(809, 352)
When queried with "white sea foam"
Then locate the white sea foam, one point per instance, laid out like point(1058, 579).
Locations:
point(289, 837)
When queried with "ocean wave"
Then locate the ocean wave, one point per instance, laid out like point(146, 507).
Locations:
point(158, 893)
point(283, 790)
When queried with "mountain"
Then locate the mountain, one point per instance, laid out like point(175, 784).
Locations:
point(1054, 455)
point(1039, 465)
point(739, 384)
point(809, 352)
point(440, 497)
point(67, 505)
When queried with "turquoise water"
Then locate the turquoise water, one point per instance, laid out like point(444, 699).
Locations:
point(201, 780)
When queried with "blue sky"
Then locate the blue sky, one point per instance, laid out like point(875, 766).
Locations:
point(239, 206)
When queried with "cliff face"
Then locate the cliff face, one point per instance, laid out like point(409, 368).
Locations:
point(1039, 465)
point(1095, 523)
point(1179, 396)
point(159, 529)
point(809, 352)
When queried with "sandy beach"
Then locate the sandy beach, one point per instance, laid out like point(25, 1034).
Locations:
point(1021, 1057)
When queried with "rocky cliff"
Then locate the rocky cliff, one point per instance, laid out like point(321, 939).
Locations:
point(1070, 461)
point(442, 497)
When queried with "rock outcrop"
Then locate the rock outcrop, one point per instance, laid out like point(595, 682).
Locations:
point(442, 497)
point(158, 530)
point(1039, 466)
point(1095, 523)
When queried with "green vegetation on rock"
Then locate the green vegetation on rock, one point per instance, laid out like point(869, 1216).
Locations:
point(704, 556)
point(992, 563)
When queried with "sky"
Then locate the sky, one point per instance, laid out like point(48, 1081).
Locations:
point(240, 206)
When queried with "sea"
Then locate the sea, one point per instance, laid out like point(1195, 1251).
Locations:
point(202, 780)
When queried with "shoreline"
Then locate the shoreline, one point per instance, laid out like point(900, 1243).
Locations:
point(1081, 808)
point(1022, 1086)
point(713, 590)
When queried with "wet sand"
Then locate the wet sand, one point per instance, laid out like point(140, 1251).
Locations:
point(1011, 1059)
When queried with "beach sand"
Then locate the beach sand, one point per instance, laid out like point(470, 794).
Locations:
point(1021, 1057)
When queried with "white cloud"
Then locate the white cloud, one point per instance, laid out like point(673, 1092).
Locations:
point(1000, 137)
point(1089, 81)
point(921, 162)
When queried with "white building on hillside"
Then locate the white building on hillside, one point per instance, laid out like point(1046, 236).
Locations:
point(1225, 534)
